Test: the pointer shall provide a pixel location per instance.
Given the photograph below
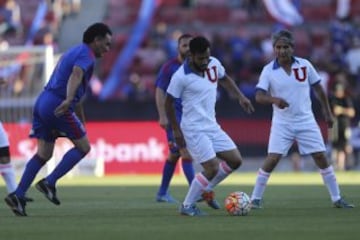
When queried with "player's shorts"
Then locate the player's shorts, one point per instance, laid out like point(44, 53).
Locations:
point(307, 136)
point(4, 140)
point(48, 127)
point(203, 145)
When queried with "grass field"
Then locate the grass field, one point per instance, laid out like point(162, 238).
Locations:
point(297, 206)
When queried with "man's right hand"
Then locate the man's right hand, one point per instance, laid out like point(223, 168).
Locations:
point(62, 108)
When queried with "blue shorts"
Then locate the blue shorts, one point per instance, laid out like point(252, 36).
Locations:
point(48, 127)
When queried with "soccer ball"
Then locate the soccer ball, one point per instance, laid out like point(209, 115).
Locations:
point(238, 204)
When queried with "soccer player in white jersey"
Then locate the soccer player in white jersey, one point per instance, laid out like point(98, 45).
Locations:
point(195, 82)
point(6, 169)
point(285, 83)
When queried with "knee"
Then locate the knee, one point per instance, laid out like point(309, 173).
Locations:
point(85, 148)
point(4, 160)
point(4, 155)
point(211, 171)
point(270, 163)
point(320, 160)
point(44, 157)
point(237, 164)
point(173, 158)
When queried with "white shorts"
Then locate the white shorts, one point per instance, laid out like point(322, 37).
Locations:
point(203, 145)
point(307, 135)
point(4, 141)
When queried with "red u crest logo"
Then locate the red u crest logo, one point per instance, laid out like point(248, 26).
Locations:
point(212, 77)
point(297, 76)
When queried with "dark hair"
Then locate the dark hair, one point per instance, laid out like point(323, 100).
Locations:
point(183, 36)
point(283, 34)
point(199, 44)
point(95, 30)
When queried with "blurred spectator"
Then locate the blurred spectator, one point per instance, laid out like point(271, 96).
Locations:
point(343, 8)
point(343, 110)
point(341, 33)
point(136, 89)
point(10, 19)
point(151, 55)
point(352, 57)
point(46, 37)
point(4, 44)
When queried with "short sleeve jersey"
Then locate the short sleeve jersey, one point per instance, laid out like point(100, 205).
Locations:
point(81, 56)
point(163, 80)
point(198, 94)
point(294, 88)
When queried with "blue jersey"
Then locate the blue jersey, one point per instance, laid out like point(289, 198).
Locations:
point(163, 81)
point(81, 56)
point(46, 125)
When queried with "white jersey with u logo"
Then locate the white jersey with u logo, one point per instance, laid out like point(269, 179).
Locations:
point(198, 95)
point(203, 135)
point(293, 88)
point(296, 122)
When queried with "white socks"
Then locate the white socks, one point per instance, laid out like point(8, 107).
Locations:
point(201, 183)
point(260, 185)
point(8, 173)
point(327, 174)
point(224, 171)
point(329, 178)
point(196, 188)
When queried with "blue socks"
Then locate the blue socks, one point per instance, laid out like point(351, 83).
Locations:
point(168, 172)
point(70, 159)
point(188, 169)
point(32, 168)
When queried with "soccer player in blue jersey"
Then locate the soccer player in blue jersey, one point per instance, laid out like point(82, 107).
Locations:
point(162, 83)
point(58, 112)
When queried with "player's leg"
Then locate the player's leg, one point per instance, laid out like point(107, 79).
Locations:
point(6, 169)
point(226, 151)
point(168, 171)
point(17, 200)
point(163, 194)
point(68, 125)
point(198, 186)
point(187, 165)
point(310, 141)
point(48, 185)
point(262, 178)
point(70, 159)
point(280, 141)
point(328, 175)
point(200, 148)
point(33, 166)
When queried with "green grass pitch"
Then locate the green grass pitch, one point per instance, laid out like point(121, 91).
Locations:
point(297, 206)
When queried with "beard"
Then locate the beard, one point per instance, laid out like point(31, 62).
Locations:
point(200, 68)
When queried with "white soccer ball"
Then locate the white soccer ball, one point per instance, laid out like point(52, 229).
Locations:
point(238, 204)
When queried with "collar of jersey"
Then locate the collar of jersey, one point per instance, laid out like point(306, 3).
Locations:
point(187, 68)
point(276, 64)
